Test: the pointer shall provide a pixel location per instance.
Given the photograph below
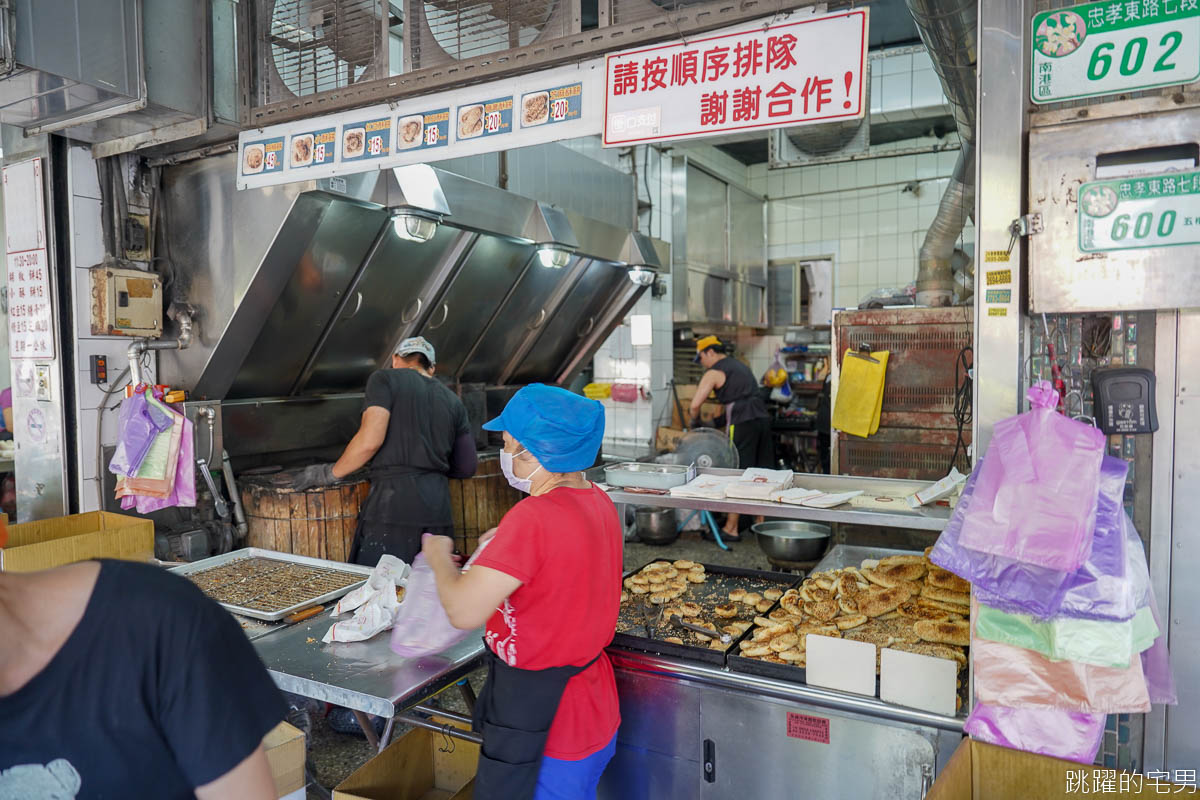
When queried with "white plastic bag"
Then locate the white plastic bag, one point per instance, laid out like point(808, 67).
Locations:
point(374, 603)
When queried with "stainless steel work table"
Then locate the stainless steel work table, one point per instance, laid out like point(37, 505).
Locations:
point(928, 518)
point(366, 677)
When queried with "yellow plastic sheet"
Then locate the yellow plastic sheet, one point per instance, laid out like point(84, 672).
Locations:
point(598, 391)
point(859, 399)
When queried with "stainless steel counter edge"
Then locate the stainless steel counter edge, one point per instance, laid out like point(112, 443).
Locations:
point(929, 518)
point(800, 693)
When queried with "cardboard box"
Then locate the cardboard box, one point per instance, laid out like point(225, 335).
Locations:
point(65, 540)
point(414, 767)
point(708, 412)
point(286, 751)
point(979, 771)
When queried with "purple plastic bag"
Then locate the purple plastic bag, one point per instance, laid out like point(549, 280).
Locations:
point(421, 627)
point(1018, 587)
point(137, 427)
point(1035, 499)
point(1073, 735)
point(1156, 665)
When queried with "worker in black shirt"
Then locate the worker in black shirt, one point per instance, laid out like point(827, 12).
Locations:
point(415, 434)
point(746, 416)
point(120, 679)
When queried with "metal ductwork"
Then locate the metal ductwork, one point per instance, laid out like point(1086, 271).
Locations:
point(948, 29)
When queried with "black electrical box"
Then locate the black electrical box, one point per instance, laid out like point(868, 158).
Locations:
point(1124, 400)
point(99, 369)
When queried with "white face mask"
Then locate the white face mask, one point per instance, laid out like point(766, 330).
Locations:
point(506, 466)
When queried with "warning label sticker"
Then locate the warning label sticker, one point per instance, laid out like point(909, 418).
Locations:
point(810, 729)
point(996, 256)
point(998, 311)
point(998, 296)
point(997, 277)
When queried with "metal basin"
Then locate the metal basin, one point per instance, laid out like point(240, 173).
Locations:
point(656, 525)
point(792, 541)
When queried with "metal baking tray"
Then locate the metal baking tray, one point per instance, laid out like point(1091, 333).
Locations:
point(714, 591)
point(257, 552)
point(640, 475)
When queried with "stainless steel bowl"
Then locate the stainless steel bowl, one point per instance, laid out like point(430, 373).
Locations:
point(785, 540)
point(656, 525)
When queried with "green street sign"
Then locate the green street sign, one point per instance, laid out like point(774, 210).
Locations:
point(1112, 47)
point(1147, 211)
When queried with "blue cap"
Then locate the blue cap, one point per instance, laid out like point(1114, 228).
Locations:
point(563, 430)
point(416, 344)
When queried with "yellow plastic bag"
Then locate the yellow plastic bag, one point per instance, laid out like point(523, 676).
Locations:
point(859, 401)
point(598, 391)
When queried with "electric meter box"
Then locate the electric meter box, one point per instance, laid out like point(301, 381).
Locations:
point(1119, 199)
point(126, 302)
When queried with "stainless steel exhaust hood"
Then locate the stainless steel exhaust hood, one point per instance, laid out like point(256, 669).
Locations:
point(303, 290)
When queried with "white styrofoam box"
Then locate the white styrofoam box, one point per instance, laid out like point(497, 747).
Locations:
point(87, 235)
point(827, 178)
point(810, 180)
point(927, 166)
point(918, 681)
point(927, 90)
point(841, 664)
point(85, 181)
point(885, 170)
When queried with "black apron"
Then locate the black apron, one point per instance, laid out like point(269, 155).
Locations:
point(513, 713)
point(404, 503)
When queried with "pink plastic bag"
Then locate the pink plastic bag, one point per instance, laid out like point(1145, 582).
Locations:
point(1035, 500)
point(1072, 735)
point(422, 627)
point(184, 492)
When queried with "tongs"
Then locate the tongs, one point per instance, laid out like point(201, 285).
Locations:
point(722, 637)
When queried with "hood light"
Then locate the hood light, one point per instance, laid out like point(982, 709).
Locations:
point(553, 257)
point(413, 227)
point(642, 276)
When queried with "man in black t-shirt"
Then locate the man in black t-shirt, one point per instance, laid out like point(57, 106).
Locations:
point(415, 434)
point(122, 680)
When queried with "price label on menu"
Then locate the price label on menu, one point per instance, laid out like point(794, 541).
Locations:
point(262, 157)
point(560, 104)
point(422, 131)
point(312, 148)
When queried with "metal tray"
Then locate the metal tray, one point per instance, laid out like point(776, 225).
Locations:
point(714, 591)
point(639, 475)
point(257, 552)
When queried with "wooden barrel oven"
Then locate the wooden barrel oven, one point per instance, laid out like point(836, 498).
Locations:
point(320, 523)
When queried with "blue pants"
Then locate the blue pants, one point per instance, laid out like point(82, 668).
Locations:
point(573, 780)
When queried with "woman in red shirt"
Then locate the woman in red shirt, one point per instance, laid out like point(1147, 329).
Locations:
point(547, 582)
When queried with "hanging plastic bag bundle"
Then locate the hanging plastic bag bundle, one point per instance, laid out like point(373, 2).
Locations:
point(183, 493)
point(1035, 500)
point(137, 427)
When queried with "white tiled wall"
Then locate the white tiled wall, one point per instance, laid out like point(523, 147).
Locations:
point(87, 250)
point(862, 213)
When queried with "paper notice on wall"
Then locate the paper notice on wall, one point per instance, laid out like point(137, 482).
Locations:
point(30, 309)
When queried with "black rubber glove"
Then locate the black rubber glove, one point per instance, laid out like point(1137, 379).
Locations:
point(316, 475)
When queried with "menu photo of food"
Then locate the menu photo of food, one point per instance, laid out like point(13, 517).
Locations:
point(535, 109)
point(354, 142)
point(253, 157)
point(470, 121)
point(302, 150)
point(410, 132)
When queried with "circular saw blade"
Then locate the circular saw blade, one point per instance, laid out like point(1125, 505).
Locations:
point(707, 448)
